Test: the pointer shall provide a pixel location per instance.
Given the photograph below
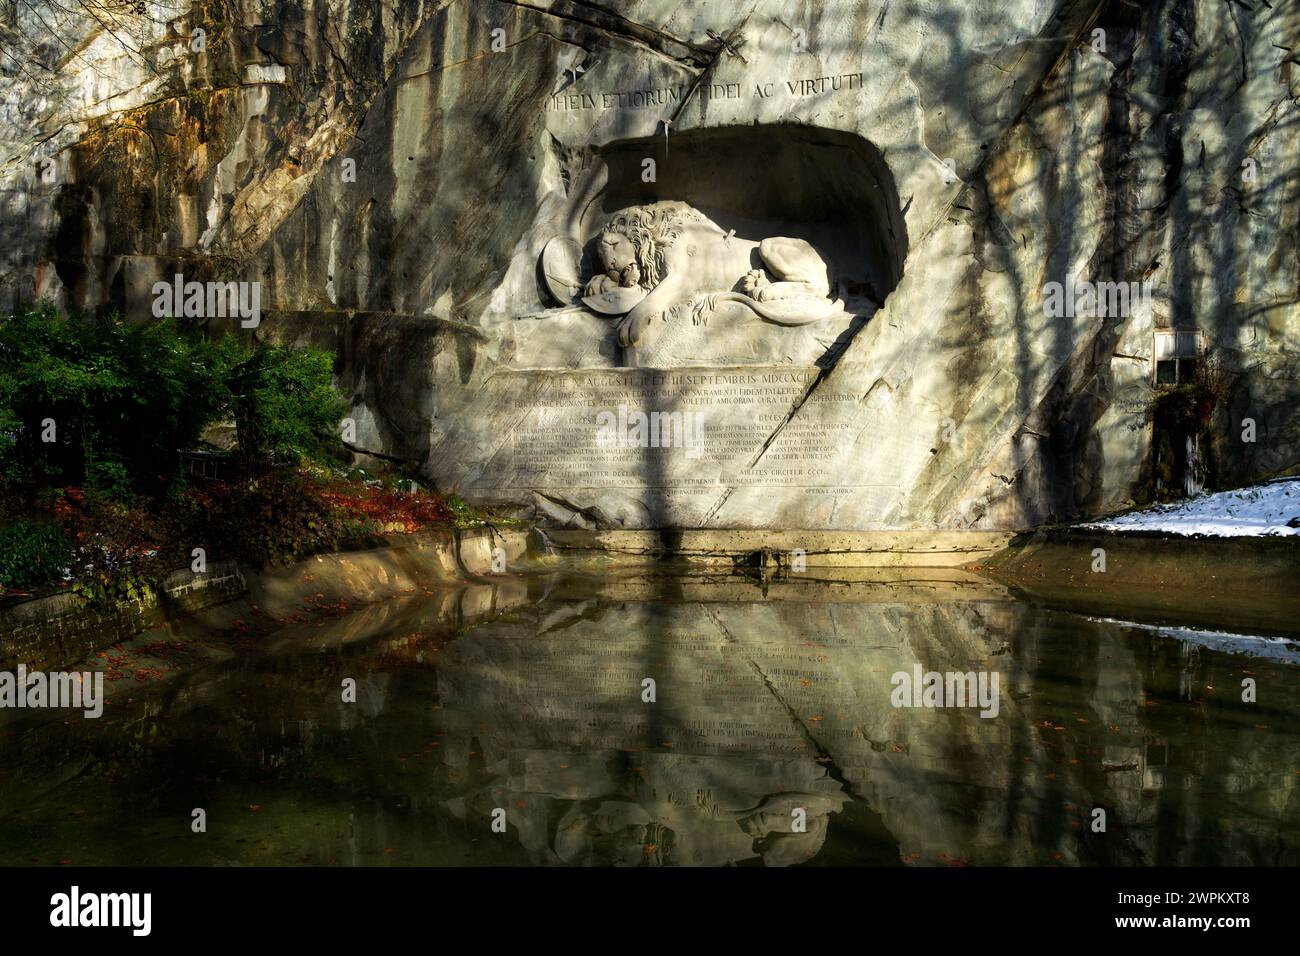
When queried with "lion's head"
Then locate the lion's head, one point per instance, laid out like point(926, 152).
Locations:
point(640, 237)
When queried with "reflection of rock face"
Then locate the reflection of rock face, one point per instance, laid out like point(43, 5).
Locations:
point(771, 740)
point(758, 705)
point(755, 704)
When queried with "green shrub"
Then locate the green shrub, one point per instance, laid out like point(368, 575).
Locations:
point(284, 405)
point(117, 399)
point(32, 554)
point(466, 515)
point(121, 399)
point(109, 478)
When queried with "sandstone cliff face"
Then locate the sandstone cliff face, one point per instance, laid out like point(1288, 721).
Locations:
point(392, 174)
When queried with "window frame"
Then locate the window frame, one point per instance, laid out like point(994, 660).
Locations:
point(1184, 346)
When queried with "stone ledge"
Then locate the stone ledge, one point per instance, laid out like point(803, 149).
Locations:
point(1157, 578)
point(821, 548)
point(51, 632)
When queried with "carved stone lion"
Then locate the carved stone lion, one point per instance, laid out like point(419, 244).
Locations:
point(665, 255)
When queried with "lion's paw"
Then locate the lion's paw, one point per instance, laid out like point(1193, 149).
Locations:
point(631, 331)
point(600, 284)
point(753, 283)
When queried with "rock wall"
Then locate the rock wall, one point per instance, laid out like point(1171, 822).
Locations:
point(395, 178)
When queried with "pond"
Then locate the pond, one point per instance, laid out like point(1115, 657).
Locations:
point(670, 716)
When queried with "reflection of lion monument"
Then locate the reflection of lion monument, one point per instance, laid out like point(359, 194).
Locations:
point(667, 257)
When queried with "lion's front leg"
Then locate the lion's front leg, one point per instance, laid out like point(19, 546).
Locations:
point(600, 284)
point(632, 329)
point(662, 297)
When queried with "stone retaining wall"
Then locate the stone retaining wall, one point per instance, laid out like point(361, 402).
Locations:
point(51, 632)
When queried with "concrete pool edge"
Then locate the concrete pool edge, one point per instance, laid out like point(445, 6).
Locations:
point(55, 630)
point(1247, 581)
point(818, 548)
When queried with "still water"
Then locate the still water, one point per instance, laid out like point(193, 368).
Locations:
point(772, 737)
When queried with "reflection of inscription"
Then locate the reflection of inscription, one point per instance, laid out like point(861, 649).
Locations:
point(718, 704)
point(557, 442)
point(671, 96)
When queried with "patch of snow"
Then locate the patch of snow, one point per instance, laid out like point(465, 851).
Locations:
point(1226, 642)
point(1254, 511)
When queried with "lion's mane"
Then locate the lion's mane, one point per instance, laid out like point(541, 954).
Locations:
point(652, 229)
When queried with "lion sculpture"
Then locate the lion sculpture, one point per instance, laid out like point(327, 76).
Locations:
point(662, 257)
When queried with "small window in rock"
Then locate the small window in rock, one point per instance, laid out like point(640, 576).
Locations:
point(1176, 355)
